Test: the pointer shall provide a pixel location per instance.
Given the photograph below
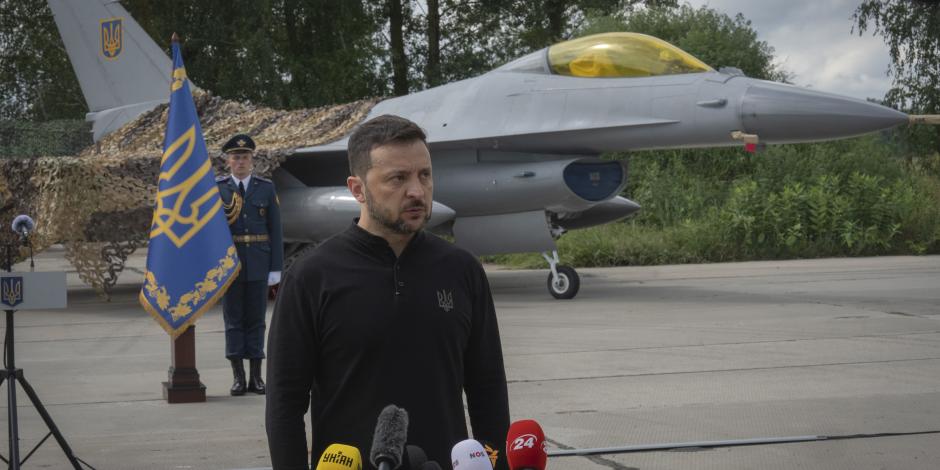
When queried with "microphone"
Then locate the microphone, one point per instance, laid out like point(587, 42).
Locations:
point(391, 432)
point(470, 455)
point(525, 446)
point(340, 457)
point(23, 224)
point(415, 457)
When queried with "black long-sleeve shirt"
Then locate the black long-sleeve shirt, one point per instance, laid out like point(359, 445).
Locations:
point(356, 329)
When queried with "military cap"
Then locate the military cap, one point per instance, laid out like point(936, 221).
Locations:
point(239, 142)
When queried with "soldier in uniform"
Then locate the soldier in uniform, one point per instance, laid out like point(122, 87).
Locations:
point(251, 207)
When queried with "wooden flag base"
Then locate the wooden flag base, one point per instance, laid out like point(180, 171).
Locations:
point(184, 385)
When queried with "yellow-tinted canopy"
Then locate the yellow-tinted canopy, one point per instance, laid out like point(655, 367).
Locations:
point(621, 55)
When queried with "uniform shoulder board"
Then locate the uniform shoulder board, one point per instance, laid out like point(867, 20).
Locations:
point(219, 179)
point(262, 179)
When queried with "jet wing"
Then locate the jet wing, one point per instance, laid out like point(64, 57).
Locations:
point(577, 139)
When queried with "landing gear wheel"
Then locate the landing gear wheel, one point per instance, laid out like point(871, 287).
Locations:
point(567, 284)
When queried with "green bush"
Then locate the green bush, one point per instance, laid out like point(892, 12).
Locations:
point(834, 216)
point(626, 243)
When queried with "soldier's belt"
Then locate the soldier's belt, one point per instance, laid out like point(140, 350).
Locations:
point(249, 238)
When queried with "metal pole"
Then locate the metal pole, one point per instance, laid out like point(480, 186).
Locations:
point(10, 376)
point(683, 445)
point(10, 372)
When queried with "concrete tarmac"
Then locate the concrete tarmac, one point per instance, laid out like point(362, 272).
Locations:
point(643, 355)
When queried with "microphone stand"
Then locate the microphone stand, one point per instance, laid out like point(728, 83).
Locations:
point(12, 375)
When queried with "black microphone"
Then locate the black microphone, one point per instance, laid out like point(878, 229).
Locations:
point(415, 456)
point(23, 224)
point(391, 432)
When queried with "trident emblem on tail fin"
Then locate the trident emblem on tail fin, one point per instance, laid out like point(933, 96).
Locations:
point(112, 37)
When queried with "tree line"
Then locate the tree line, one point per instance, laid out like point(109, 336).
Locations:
point(306, 53)
point(874, 195)
point(299, 53)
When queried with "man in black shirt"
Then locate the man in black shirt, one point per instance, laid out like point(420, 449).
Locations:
point(385, 313)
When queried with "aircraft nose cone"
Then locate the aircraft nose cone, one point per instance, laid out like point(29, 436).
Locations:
point(780, 113)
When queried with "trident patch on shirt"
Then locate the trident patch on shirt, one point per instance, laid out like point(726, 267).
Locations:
point(445, 300)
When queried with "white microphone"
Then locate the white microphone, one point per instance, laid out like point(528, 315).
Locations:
point(23, 224)
point(470, 455)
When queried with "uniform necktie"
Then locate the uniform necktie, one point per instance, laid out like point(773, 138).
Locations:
point(241, 189)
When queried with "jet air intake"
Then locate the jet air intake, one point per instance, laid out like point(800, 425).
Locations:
point(500, 185)
point(310, 214)
point(594, 181)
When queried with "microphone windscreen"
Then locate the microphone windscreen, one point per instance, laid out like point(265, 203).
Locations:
point(416, 456)
point(525, 446)
point(23, 222)
point(470, 455)
point(340, 457)
point(391, 432)
point(432, 465)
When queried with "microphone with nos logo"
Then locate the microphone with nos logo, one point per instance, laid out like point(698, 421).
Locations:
point(340, 457)
point(388, 443)
point(525, 446)
point(470, 455)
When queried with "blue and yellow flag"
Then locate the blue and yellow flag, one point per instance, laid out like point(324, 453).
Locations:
point(191, 260)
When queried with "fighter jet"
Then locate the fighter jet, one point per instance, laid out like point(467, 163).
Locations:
point(516, 151)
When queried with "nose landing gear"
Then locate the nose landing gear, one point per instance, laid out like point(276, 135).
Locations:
point(563, 281)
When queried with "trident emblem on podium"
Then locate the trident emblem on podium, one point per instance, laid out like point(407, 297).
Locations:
point(11, 291)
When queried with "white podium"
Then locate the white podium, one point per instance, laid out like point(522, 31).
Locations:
point(32, 291)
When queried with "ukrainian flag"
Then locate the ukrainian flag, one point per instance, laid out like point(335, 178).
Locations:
point(191, 259)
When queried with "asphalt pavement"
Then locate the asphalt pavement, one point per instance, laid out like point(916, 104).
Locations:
point(843, 348)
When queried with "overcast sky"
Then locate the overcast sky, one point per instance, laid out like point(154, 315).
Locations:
point(813, 39)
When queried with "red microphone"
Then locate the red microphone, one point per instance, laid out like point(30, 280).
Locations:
point(525, 446)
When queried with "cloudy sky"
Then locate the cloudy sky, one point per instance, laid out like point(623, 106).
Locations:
point(813, 39)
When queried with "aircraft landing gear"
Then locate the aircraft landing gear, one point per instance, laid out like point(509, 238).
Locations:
point(563, 281)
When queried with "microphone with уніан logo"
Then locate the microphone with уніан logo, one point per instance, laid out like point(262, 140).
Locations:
point(340, 457)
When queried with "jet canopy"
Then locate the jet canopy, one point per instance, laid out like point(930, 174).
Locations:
point(618, 55)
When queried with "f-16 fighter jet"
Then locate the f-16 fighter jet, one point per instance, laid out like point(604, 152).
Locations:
point(515, 150)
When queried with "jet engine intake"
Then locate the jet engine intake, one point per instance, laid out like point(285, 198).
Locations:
point(503, 187)
point(312, 214)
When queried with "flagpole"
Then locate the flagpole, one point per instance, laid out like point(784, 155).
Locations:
point(184, 385)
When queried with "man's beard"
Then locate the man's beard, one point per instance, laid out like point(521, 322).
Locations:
point(395, 225)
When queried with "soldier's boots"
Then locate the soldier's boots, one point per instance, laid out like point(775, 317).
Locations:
point(238, 370)
point(255, 384)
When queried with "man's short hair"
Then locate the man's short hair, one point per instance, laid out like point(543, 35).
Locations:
point(377, 132)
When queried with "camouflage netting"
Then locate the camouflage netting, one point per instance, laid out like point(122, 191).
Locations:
point(99, 204)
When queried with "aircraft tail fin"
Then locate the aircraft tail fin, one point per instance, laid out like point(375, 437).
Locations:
point(121, 70)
